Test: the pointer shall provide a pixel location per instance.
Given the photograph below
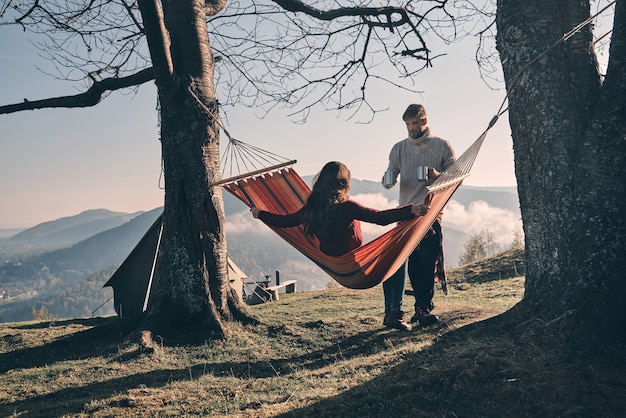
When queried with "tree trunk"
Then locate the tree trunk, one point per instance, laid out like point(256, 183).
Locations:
point(569, 131)
point(193, 293)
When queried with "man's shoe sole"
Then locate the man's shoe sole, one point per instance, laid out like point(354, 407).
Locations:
point(399, 327)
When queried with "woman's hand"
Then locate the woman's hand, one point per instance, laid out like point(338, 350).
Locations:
point(420, 210)
point(255, 212)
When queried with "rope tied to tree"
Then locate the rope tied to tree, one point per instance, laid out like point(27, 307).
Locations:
point(565, 37)
point(239, 159)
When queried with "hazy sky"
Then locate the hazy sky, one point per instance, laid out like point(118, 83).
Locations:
point(60, 162)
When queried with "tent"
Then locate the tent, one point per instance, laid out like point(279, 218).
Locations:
point(135, 281)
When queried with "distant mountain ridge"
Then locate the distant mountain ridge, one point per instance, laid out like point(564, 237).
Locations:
point(504, 197)
point(95, 237)
point(75, 228)
point(105, 248)
point(51, 274)
point(64, 280)
point(72, 229)
point(500, 197)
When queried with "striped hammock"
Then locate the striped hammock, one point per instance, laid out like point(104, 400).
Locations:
point(283, 191)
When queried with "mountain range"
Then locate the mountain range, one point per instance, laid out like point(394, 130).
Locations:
point(63, 259)
point(72, 229)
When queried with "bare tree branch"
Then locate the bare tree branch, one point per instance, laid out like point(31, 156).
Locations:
point(158, 41)
point(287, 53)
point(89, 98)
point(315, 57)
point(388, 12)
point(212, 7)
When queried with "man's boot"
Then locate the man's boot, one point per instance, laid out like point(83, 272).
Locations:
point(423, 315)
point(395, 320)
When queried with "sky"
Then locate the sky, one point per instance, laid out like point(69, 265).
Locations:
point(60, 162)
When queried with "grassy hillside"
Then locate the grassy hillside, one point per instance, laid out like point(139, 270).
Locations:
point(508, 263)
point(317, 354)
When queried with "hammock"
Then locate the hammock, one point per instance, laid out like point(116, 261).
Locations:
point(283, 191)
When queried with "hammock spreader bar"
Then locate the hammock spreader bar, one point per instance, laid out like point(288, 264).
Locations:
point(254, 173)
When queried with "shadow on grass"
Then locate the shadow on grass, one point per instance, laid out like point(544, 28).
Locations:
point(88, 322)
point(101, 339)
point(71, 401)
point(488, 369)
point(104, 339)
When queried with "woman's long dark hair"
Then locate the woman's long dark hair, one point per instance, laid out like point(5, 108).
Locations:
point(330, 188)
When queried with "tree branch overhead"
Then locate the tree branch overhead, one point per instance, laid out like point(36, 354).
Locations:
point(282, 52)
point(91, 97)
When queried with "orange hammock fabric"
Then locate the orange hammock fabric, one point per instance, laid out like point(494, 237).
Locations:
point(285, 192)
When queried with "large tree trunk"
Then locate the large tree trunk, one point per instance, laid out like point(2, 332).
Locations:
point(194, 293)
point(569, 138)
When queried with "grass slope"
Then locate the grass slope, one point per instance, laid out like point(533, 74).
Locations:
point(318, 354)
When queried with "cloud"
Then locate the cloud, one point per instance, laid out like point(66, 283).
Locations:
point(479, 216)
point(376, 201)
point(243, 222)
point(473, 218)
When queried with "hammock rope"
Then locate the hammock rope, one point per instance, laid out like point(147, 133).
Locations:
point(463, 165)
point(240, 157)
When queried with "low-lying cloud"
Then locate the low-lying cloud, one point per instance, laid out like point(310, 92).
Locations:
point(243, 222)
point(480, 216)
point(476, 217)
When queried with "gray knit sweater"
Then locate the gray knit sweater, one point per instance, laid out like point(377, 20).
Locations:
point(408, 154)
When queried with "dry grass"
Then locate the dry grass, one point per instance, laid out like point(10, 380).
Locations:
point(322, 354)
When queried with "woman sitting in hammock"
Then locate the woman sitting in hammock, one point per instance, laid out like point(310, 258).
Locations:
point(332, 217)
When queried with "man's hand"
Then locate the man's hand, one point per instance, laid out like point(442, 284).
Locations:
point(433, 174)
